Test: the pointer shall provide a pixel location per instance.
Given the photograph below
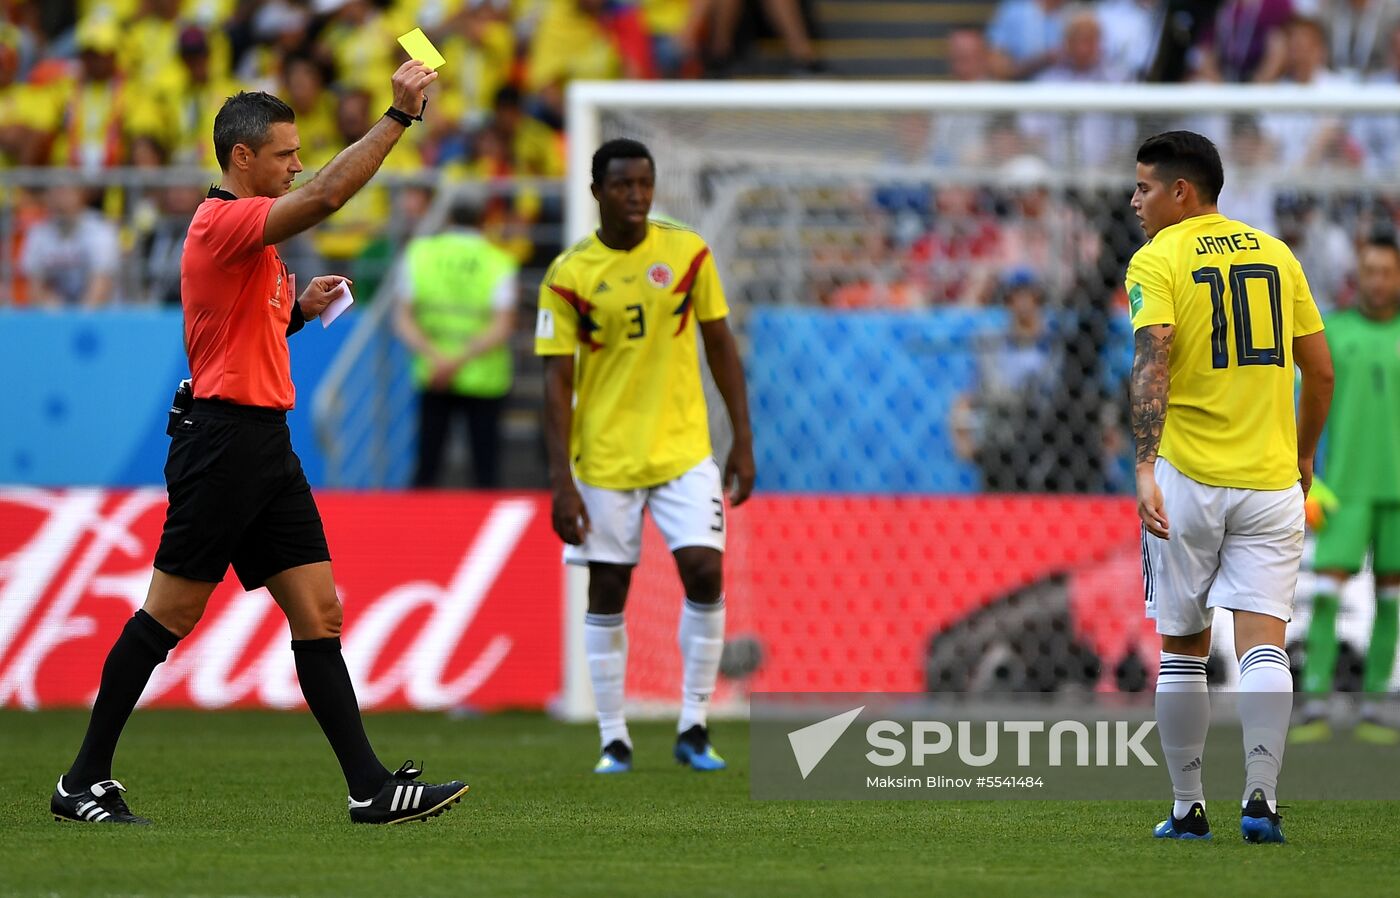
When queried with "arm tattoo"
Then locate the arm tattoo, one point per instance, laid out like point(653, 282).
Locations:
point(1151, 376)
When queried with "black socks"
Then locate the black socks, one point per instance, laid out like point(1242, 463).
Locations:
point(144, 643)
point(325, 682)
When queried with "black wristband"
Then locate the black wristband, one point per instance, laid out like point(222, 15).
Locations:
point(298, 319)
point(403, 118)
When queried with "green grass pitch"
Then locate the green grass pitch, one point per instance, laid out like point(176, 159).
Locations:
point(252, 804)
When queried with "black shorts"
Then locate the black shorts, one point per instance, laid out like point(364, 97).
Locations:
point(237, 496)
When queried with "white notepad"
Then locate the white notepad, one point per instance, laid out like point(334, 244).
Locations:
point(343, 300)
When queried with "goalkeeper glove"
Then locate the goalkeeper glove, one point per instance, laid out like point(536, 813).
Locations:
point(1320, 503)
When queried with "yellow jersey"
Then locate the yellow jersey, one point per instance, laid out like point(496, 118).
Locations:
point(1237, 298)
point(640, 417)
point(569, 45)
point(28, 106)
point(181, 117)
point(473, 73)
point(666, 17)
point(365, 56)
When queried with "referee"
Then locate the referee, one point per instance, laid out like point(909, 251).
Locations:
point(237, 492)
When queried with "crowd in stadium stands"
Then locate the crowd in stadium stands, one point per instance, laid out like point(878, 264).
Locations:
point(89, 85)
point(952, 245)
point(1049, 388)
point(94, 84)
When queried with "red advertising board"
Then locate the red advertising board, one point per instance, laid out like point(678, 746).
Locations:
point(845, 593)
point(451, 600)
point(456, 599)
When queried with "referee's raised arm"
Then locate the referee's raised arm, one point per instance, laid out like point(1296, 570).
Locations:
point(353, 166)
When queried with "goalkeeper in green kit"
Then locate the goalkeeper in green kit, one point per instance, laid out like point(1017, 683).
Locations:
point(1362, 467)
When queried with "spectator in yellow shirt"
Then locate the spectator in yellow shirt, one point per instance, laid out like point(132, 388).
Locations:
point(534, 148)
point(509, 213)
point(480, 49)
point(571, 42)
point(304, 86)
point(360, 41)
point(91, 117)
point(674, 27)
point(150, 51)
point(353, 240)
point(24, 108)
point(184, 118)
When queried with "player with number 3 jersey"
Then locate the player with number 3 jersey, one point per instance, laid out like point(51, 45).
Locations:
point(1221, 315)
point(633, 316)
point(627, 430)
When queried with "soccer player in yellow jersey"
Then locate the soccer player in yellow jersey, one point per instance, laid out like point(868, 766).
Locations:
point(627, 430)
point(1221, 314)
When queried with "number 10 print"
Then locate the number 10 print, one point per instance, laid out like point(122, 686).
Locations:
point(1246, 352)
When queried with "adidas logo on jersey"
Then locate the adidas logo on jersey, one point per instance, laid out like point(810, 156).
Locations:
point(602, 288)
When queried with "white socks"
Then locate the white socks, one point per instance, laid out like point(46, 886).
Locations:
point(1183, 718)
point(605, 642)
point(701, 638)
point(1266, 703)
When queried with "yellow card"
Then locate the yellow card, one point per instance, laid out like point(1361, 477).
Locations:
point(421, 49)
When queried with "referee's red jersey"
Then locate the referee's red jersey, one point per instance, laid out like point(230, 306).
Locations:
point(237, 301)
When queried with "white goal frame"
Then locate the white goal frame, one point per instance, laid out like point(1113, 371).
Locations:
point(588, 101)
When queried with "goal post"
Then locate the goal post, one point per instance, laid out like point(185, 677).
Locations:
point(835, 195)
point(590, 103)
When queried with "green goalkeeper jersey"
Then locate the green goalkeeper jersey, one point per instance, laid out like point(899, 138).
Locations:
point(1363, 430)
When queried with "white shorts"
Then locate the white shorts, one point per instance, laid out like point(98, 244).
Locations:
point(1230, 548)
point(689, 511)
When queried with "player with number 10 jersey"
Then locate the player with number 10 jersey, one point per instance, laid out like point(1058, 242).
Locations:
point(1237, 298)
point(1221, 315)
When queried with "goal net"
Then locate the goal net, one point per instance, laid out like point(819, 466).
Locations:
point(926, 282)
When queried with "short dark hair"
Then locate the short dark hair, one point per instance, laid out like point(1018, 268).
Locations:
point(1383, 240)
point(246, 118)
point(619, 148)
point(1186, 155)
